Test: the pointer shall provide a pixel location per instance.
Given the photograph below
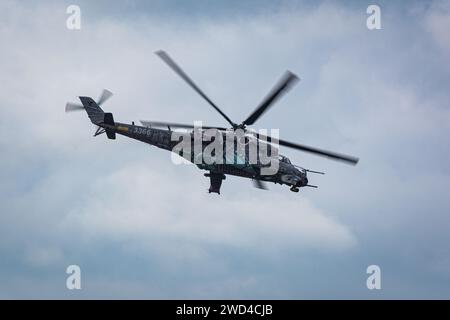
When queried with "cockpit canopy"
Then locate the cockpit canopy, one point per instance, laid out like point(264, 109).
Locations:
point(284, 159)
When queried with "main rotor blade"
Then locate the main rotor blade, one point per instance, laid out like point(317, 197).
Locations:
point(175, 125)
point(259, 184)
point(285, 83)
point(168, 60)
point(106, 94)
point(73, 107)
point(324, 153)
point(320, 152)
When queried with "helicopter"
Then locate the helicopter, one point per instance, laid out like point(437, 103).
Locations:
point(160, 134)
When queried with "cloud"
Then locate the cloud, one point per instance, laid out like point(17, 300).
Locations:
point(438, 23)
point(41, 257)
point(140, 226)
point(128, 204)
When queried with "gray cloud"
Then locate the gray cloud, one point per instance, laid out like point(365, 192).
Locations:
point(142, 227)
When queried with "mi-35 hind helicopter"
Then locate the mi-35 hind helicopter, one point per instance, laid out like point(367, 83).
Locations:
point(150, 132)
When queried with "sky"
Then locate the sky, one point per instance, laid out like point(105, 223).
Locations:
point(141, 227)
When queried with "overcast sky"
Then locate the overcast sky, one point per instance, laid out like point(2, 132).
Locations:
point(141, 227)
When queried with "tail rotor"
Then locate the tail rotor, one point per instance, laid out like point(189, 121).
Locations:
point(105, 95)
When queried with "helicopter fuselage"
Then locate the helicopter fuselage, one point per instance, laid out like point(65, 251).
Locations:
point(286, 173)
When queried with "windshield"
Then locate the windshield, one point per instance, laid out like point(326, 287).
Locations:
point(284, 159)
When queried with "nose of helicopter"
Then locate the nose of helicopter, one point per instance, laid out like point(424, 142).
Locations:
point(305, 180)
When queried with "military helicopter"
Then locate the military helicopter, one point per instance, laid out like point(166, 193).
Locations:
point(155, 134)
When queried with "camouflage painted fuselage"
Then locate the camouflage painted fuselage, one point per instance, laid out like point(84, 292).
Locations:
point(240, 166)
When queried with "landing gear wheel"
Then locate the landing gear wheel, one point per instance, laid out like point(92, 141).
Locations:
point(294, 189)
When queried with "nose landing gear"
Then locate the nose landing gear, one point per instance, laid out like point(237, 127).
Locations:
point(294, 189)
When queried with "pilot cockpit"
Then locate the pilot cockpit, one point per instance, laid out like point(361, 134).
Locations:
point(284, 159)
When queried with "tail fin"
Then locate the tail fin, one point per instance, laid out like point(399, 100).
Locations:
point(93, 110)
point(98, 116)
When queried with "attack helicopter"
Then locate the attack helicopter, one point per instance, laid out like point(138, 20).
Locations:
point(160, 134)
